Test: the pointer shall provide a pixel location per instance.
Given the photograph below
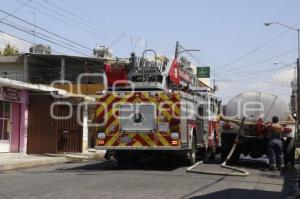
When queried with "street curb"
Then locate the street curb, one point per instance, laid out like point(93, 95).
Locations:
point(19, 165)
point(96, 156)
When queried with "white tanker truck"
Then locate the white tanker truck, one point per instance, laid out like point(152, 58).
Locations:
point(258, 110)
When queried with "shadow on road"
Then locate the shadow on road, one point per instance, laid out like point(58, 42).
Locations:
point(240, 193)
point(160, 164)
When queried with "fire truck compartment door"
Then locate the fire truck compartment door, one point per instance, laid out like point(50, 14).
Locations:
point(137, 117)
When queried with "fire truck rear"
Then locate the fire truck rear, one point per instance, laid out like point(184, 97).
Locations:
point(155, 107)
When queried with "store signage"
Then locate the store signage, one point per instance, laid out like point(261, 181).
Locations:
point(11, 94)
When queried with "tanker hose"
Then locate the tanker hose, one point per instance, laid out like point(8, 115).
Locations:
point(239, 172)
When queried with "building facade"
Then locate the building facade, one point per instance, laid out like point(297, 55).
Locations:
point(13, 119)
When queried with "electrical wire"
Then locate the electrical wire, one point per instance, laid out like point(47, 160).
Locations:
point(17, 9)
point(45, 30)
point(40, 37)
point(44, 35)
point(255, 49)
point(129, 36)
point(258, 62)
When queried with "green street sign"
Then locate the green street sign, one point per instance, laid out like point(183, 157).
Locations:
point(203, 72)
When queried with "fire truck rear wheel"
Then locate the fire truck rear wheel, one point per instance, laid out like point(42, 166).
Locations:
point(192, 154)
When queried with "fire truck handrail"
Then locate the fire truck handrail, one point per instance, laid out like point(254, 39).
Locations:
point(155, 59)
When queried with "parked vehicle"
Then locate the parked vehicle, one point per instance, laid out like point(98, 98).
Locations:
point(258, 109)
point(155, 107)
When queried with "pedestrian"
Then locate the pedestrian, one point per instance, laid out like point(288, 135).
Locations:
point(275, 145)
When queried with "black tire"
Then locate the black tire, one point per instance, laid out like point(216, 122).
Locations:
point(289, 151)
point(192, 153)
point(212, 150)
point(227, 144)
point(201, 153)
point(212, 154)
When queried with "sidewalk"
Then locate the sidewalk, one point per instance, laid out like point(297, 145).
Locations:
point(10, 161)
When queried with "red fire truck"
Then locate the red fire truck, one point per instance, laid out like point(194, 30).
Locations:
point(154, 107)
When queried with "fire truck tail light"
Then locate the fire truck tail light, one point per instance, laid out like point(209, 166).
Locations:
point(175, 136)
point(101, 136)
point(174, 142)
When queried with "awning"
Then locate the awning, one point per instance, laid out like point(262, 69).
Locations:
point(40, 87)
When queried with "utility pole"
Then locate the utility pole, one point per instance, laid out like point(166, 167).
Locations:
point(176, 49)
point(34, 32)
point(298, 75)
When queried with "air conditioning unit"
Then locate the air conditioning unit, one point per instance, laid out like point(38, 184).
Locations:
point(103, 52)
point(40, 49)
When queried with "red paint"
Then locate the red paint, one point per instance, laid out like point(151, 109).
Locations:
point(115, 74)
point(173, 73)
point(178, 74)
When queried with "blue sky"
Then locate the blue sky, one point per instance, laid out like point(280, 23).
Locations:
point(223, 30)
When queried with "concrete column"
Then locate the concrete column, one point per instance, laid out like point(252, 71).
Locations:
point(63, 68)
point(24, 121)
point(85, 129)
point(26, 79)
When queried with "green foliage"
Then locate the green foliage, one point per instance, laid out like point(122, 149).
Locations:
point(9, 50)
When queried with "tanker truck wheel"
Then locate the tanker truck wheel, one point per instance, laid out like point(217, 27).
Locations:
point(226, 145)
point(289, 151)
point(192, 154)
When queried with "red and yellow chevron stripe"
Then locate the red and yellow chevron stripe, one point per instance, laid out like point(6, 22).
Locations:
point(168, 112)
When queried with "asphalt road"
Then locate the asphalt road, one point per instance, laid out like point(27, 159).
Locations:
point(150, 179)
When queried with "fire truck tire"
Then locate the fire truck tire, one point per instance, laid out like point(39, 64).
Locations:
point(192, 154)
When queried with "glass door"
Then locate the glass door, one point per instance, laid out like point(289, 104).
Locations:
point(5, 126)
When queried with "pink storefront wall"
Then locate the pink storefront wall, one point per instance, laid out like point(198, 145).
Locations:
point(15, 125)
point(19, 124)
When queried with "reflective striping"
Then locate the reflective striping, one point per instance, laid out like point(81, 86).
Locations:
point(112, 140)
point(162, 139)
point(147, 139)
point(174, 107)
point(160, 109)
point(115, 121)
point(168, 111)
point(105, 104)
point(137, 143)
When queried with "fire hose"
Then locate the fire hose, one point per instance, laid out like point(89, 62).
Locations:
point(239, 172)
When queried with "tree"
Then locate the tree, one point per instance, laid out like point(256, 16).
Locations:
point(9, 50)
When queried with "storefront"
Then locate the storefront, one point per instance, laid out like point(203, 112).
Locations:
point(13, 110)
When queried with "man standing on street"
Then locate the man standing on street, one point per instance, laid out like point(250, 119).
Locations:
point(275, 146)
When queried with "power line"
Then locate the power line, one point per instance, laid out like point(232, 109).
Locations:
point(254, 50)
point(65, 14)
point(126, 35)
point(31, 33)
point(43, 29)
point(44, 35)
point(80, 28)
point(256, 63)
point(17, 9)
